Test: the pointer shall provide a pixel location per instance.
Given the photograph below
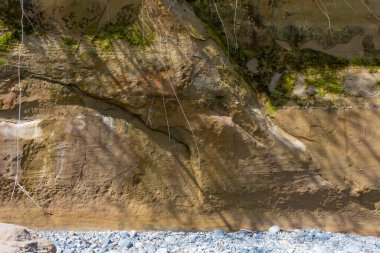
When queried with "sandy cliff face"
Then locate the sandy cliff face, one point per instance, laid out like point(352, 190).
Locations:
point(152, 126)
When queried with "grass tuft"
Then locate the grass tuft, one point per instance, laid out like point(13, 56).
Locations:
point(6, 41)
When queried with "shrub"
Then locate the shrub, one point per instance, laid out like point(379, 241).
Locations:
point(6, 41)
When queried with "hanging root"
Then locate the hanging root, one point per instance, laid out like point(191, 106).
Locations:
point(162, 89)
point(348, 4)
point(18, 154)
point(225, 31)
point(149, 119)
point(323, 8)
point(371, 11)
point(28, 195)
point(158, 26)
point(142, 21)
point(236, 41)
point(108, 15)
point(16, 181)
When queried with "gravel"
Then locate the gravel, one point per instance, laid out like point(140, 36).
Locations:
point(245, 241)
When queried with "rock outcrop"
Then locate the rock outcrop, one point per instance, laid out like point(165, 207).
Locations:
point(134, 116)
point(18, 239)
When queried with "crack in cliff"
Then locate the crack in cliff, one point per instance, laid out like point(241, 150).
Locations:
point(303, 138)
point(74, 88)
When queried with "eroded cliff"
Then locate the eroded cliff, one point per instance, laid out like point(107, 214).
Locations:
point(139, 114)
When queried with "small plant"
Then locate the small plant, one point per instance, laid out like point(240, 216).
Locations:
point(3, 62)
point(69, 42)
point(271, 108)
point(140, 36)
point(6, 41)
point(104, 43)
point(287, 83)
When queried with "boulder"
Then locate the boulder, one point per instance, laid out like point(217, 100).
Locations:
point(18, 239)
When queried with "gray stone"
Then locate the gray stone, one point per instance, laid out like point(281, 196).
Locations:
point(126, 243)
point(193, 237)
point(170, 240)
point(132, 234)
point(162, 250)
point(218, 232)
point(151, 249)
point(124, 234)
point(106, 241)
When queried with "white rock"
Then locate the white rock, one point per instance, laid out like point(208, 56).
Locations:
point(274, 230)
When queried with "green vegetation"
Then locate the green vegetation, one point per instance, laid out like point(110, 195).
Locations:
point(3, 62)
point(271, 108)
point(298, 35)
point(307, 58)
point(104, 43)
point(324, 81)
point(242, 56)
point(128, 27)
point(6, 41)
point(319, 71)
point(325, 84)
point(283, 92)
point(69, 42)
point(136, 34)
point(368, 60)
point(140, 35)
point(87, 55)
point(374, 69)
point(287, 83)
point(228, 72)
point(214, 36)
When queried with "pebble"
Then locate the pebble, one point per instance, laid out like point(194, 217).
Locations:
point(274, 240)
point(171, 239)
point(218, 232)
point(126, 244)
point(124, 234)
point(193, 237)
point(274, 230)
point(151, 249)
point(132, 234)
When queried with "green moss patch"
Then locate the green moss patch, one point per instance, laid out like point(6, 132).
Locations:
point(137, 34)
point(68, 42)
point(368, 60)
point(325, 85)
point(3, 62)
point(6, 41)
point(287, 83)
point(215, 37)
point(271, 108)
point(140, 35)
